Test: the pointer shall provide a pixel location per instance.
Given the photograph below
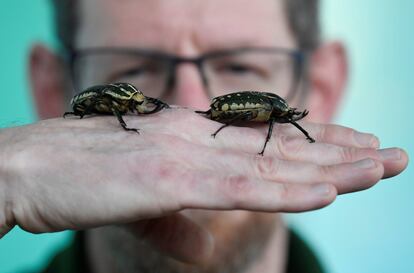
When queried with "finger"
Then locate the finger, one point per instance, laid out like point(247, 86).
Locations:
point(225, 181)
point(176, 236)
point(242, 192)
point(235, 137)
point(346, 177)
point(334, 134)
point(4, 229)
point(299, 149)
point(395, 160)
point(286, 139)
point(179, 120)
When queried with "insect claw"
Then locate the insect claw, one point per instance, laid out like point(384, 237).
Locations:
point(131, 129)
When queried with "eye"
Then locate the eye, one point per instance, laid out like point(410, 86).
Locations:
point(134, 71)
point(236, 68)
point(144, 70)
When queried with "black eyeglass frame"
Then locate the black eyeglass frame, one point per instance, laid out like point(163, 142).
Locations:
point(298, 57)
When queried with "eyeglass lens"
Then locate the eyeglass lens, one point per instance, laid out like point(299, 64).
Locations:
point(251, 70)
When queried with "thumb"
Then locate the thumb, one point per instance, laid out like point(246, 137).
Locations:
point(176, 236)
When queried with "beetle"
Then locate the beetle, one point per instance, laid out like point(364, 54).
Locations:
point(257, 107)
point(116, 99)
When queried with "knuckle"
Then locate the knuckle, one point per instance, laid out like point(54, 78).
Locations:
point(238, 184)
point(238, 188)
point(325, 173)
point(285, 197)
point(347, 154)
point(289, 146)
point(367, 153)
point(352, 154)
point(267, 167)
point(166, 172)
point(284, 192)
point(365, 181)
point(334, 132)
point(282, 129)
point(323, 132)
point(348, 133)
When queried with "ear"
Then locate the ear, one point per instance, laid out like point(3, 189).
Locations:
point(328, 72)
point(46, 76)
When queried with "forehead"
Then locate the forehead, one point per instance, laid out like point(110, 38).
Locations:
point(173, 25)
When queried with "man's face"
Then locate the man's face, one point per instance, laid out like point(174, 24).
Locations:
point(188, 29)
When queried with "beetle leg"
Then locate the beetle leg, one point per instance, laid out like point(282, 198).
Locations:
point(68, 113)
point(246, 115)
point(81, 113)
point(207, 113)
point(311, 140)
point(269, 135)
point(121, 120)
point(76, 113)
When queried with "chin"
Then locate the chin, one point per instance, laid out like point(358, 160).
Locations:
point(240, 238)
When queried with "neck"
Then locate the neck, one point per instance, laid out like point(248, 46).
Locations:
point(272, 260)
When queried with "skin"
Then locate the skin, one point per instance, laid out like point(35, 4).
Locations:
point(173, 194)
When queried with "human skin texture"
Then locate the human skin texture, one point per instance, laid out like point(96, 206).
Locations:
point(174, 196)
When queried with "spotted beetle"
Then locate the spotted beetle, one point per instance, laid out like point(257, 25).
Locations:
point(116, 99)
point(254, 106)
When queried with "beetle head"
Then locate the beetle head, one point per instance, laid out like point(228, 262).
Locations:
point(296, 115)
point(138, 98)
point(139, 102)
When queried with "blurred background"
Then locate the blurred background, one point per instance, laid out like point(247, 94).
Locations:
point(365, 232)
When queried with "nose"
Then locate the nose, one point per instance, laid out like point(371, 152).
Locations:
point(189, 89)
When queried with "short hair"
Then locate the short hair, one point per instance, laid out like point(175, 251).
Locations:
point(303, 20)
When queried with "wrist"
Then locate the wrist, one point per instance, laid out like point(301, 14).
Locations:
point(6, 209)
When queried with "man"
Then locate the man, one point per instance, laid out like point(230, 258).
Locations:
point(173, 199)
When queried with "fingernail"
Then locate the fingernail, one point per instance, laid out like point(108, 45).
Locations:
point(367, 140)
point(365, 164)
point(321, 189)
point(390, 154)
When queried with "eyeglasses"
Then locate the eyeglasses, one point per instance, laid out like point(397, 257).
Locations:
point(271, 69)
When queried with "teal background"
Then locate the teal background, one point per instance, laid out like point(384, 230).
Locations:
point(364, 232)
